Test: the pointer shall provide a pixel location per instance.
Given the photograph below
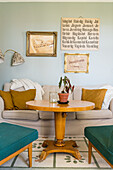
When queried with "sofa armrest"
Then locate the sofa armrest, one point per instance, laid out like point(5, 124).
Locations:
point(1, 107)
point(111, 105)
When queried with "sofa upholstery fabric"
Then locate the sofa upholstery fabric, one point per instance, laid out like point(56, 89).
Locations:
point(21, 114)
point(50, 115)
point(50, 88)
point(78, 91)
point(1, 105)
point(8, 85)
point(94, 114)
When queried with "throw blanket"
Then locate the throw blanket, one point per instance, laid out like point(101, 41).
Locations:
point(28, 84)
point(108, 96)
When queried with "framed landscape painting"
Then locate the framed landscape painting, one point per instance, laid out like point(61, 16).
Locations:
point(41, 44)
point(76, 63)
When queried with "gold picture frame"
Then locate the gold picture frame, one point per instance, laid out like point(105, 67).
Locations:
point(76, 63)
point(41, 44)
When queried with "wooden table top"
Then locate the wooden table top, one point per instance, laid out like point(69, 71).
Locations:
point(72, 106)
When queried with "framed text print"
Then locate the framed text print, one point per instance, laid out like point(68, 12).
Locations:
point(80, 33)
point(41, 44)
point(76, 63)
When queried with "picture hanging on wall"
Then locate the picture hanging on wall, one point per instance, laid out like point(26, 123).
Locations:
point(41, 44)
point(76, 63)
point(80, 33)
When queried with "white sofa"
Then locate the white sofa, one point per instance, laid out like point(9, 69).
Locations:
point(44, 121)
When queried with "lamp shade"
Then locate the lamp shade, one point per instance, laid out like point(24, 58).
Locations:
point(1, 57)
point(17, 59)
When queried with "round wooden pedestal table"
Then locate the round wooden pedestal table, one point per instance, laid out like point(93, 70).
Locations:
point(60, 111)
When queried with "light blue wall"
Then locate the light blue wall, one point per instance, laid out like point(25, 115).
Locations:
point(17, 18)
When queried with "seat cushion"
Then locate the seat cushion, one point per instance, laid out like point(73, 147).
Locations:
point(50, 115)
point(94, 114)
point(99, 136)
point(14, 137)
point(20, 114)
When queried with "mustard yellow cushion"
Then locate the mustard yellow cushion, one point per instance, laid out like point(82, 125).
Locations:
point(96, 96)
point(8, 103)
point(21, 97)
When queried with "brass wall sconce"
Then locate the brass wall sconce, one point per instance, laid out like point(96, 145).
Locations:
point(17, 59)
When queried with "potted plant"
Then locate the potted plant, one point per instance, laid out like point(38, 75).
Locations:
point(63, 96)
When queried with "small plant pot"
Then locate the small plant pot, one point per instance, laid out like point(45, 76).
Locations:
point(63, 97)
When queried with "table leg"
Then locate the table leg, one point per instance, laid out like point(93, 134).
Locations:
point(68, 146)
point(59, 145)
point(60, 120)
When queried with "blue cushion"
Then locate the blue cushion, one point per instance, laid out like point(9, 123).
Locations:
point(14, 137)
point(101, 137)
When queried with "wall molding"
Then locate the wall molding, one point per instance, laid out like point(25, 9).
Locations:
point(56, 1)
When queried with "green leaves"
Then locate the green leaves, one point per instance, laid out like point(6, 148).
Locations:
point(60, 82)
point(67, 85)
point(65, 81)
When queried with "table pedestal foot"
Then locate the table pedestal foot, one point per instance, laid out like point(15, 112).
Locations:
point(45, 143)
point(69, 147)
point(42, 156)
point(75, 144)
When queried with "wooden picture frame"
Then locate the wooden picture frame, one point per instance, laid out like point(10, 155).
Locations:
point(76, 63)
point(41, 44)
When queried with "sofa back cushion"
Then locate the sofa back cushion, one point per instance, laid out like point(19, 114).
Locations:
point(51, 88)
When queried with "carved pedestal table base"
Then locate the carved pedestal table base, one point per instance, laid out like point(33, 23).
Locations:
point(59, 145)
point(51, 148)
